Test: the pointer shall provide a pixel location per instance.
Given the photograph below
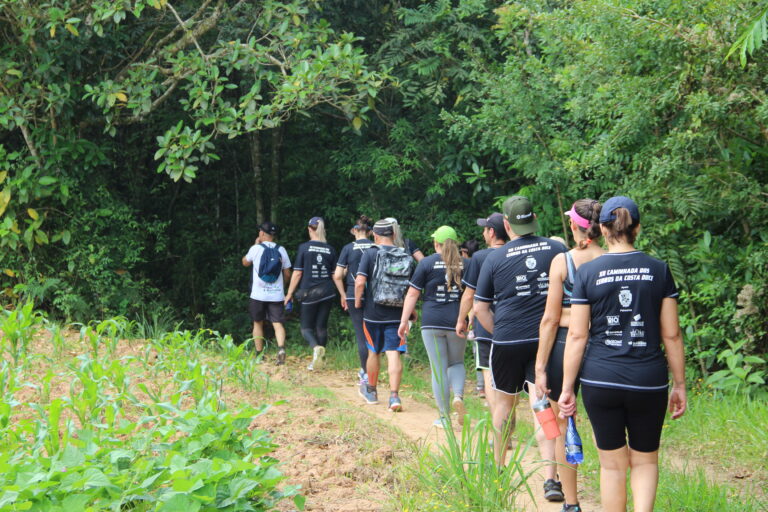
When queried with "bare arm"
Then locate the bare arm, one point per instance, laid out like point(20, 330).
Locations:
point(287, 275)
point(465, 307)
point(295, 279)
point(575, 344)
point(484, 315)
point(549, 322)
point(408, 307)
point(246, 263)
point(338, 279)
point(673, 346)
point(360, 281)
point(418, 256)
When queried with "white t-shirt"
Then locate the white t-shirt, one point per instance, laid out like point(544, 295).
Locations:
point(260, 290)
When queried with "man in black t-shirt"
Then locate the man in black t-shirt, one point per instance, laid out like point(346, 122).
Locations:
point(380, 322)
point(515, 279)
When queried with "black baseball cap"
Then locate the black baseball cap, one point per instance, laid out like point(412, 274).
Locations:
point(607, 215)
point(495, 221)
point(269, 228)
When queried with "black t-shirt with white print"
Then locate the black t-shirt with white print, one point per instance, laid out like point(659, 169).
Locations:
point(375, 313)
point(441, 302)
point(471, 273)
point(625, 292)
point(317, 261)
point(350, 257)
point(516, 277)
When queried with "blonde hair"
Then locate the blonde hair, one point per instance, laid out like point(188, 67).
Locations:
point(454, 264)
point(319, 230)
point(397, 235)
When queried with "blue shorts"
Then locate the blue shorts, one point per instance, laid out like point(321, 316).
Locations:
point(383, 338)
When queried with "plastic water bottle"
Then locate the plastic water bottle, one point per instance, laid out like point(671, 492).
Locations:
point(573, 452)
point(289, 306)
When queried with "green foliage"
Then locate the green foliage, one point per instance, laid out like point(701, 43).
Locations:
point(752, 38)
point(18, 327)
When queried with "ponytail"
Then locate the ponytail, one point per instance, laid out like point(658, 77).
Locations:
point(589, 209)
point(623, 227)
point(453, 262)
point(319, 230)
point(365, 223)
point(397, 235)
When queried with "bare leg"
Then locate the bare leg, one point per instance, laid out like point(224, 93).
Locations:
point(546, 446)
point(503, 424)
point(490, 393)
point(567, 471)
point(372, 366)
point(279, 334)
point(258, 335)
point(644, 478)
point(613, 479)
point(395, 369)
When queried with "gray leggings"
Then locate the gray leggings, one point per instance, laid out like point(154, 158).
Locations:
point(446, 357)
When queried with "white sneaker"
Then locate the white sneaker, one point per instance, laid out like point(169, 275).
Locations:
point(459, 409)
point(317, 357)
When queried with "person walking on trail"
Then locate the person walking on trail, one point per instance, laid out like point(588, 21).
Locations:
point(516, 278)
point(313, 271)
point(467, 249)
point(408, 244)
point(438, 279)
point(624, 306)
point(382, 278)
point(344, 277)
point(584, 223)
point(495, 236)
point(271, 269)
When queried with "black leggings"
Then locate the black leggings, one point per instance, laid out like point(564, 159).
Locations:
point(357, 322)
point(314, 322)
point(618, 414)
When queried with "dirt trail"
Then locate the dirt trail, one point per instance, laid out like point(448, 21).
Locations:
point(416, 423)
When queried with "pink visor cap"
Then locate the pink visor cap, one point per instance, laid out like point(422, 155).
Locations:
point(578, 219)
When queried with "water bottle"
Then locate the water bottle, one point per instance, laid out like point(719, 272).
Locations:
point(546, 417)
point(289, 306)
point(573, 452)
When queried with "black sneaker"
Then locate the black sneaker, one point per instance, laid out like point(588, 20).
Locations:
point(571, 508)
point(553, 491)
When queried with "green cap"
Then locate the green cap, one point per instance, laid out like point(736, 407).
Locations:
point(519, 213)
point(443, 233)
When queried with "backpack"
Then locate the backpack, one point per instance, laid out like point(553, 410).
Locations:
point(270, 264)
point(391, 274)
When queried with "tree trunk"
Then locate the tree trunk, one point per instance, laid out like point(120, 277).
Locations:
point(258, 178)
point(274, 182)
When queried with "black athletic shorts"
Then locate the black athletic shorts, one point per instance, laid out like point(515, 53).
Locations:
point(512, 365)
point(273, 311)
point(482, 355)
point(555, 366)
point(618, 414)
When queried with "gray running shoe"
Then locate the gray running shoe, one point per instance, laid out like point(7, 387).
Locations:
point(553, 491)
point(370, 397)
point(395, 404)
point(281, 357)
point(571, 508)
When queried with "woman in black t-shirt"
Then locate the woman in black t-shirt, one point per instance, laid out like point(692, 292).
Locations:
point(313, 271)
point(344, 276)
point(625, 305)
point(584, 222)
point(438, 279)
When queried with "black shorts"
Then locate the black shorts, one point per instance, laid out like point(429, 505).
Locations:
point(618, 414)
point(555, 366)
point(273, 311)
point(512, 365)
point(482, 355)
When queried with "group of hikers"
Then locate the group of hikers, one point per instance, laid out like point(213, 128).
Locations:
point(544, 319)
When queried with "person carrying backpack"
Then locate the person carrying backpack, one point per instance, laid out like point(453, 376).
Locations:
point(382, 277)
point(271, 269)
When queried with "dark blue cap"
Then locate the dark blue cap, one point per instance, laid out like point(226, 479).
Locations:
point(314, 221)
point(607, 215)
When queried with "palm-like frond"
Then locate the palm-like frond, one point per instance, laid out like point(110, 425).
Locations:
point(752, 38)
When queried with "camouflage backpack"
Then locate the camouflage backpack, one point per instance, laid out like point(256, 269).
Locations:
point(391, 273)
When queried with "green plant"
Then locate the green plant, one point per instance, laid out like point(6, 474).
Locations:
point(741, 373)
point(18, 326)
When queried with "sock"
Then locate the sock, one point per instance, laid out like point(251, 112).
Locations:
point(370, 388)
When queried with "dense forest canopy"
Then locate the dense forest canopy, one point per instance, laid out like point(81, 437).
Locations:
point(143, 141)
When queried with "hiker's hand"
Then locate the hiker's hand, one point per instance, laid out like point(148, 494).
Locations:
point(287, 299)
point(344, 305)
point(461, 328)
point(567, 403)
point(678, 401)
point(541, 384)
point(402, 331)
